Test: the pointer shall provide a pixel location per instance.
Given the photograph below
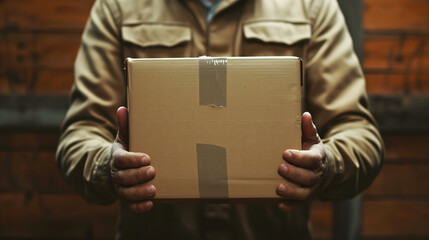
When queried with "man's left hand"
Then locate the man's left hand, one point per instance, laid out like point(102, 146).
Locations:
point(304, 170)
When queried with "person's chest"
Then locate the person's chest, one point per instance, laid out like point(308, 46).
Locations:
point(178, 28)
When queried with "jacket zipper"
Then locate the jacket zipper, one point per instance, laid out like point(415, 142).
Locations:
point(207, 37)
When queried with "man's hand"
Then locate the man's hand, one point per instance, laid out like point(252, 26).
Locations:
point(130, 171)
point(304, 170)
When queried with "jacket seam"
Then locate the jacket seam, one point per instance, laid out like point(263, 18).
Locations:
point(315, 10)
point(297, 22)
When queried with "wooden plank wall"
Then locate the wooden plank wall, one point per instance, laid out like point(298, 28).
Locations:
point(38, 44)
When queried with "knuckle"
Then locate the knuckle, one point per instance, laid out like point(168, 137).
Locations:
point(290, 192)
point(121, 192)
point(130, 194)
point(114, 159)
point(293, 171)
point(317, 159)
point(123, 178)
point(139, 176)
point(121, 156)
point(315, 179)
point(137, 194)
point(296, 155)
point(116, 154)
point(117, 158)
point(115, 175)
point(298, 193)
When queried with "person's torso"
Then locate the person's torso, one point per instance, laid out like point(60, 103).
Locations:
point(178, 28)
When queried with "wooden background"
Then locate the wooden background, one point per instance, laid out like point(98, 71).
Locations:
point(38, 43)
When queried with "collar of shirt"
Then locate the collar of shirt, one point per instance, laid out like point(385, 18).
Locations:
point(210, 8)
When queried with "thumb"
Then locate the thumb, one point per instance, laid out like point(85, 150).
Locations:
point(122, 114)
point(309, 131)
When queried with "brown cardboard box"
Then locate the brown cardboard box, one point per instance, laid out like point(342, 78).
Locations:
point(215, 128)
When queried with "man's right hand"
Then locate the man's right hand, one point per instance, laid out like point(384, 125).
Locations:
point(130, 171)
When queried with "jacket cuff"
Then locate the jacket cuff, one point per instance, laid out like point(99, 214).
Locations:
point(100, 183)
point(335, 169)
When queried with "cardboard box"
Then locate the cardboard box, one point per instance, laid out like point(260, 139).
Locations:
point(215, 128)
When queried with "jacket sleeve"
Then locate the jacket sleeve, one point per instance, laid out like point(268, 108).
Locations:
point(336, 97)
point(89, 127)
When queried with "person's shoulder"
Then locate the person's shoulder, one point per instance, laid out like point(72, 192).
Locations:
point(138, 5)
point(315, 8)
point(136, 10)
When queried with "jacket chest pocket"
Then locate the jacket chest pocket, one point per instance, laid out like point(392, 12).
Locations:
point(275, 38)
point(150, 40)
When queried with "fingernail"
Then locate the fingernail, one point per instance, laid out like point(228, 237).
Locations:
point(150, 172)
point(145, 160)
point(288, 155)
point(149, 204)
point(150, 190)
point(284, 168)
point(282, 188)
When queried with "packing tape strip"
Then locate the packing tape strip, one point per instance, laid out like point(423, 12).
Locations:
point(211, 159)
point(212, 171)
point(212, 80)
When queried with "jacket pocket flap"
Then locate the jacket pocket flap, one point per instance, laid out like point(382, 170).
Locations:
point(277, 31)
point(147, 35)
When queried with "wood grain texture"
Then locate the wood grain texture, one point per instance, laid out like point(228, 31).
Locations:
point(38, 63)
point(397, 53)
point(44, 15)
point(55, 216)
point(406, 148)
point(321, 220)
point(396, 64)
point(396, 15)
point(389, 218)
point(399, 181)
point(31, 172)
point(43, 81)
point(28, 141)
point(388, 83)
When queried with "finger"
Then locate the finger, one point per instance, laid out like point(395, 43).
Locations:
point(293, 192)
point(310, 159)
point(122, 114)
point(140, 207)
point(298, 175)
point(137, 193)
point(290, 206)
point(123, 159)
point(133, 176)
point(309, 131)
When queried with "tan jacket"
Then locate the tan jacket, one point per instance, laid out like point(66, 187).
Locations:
point(334, 93)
